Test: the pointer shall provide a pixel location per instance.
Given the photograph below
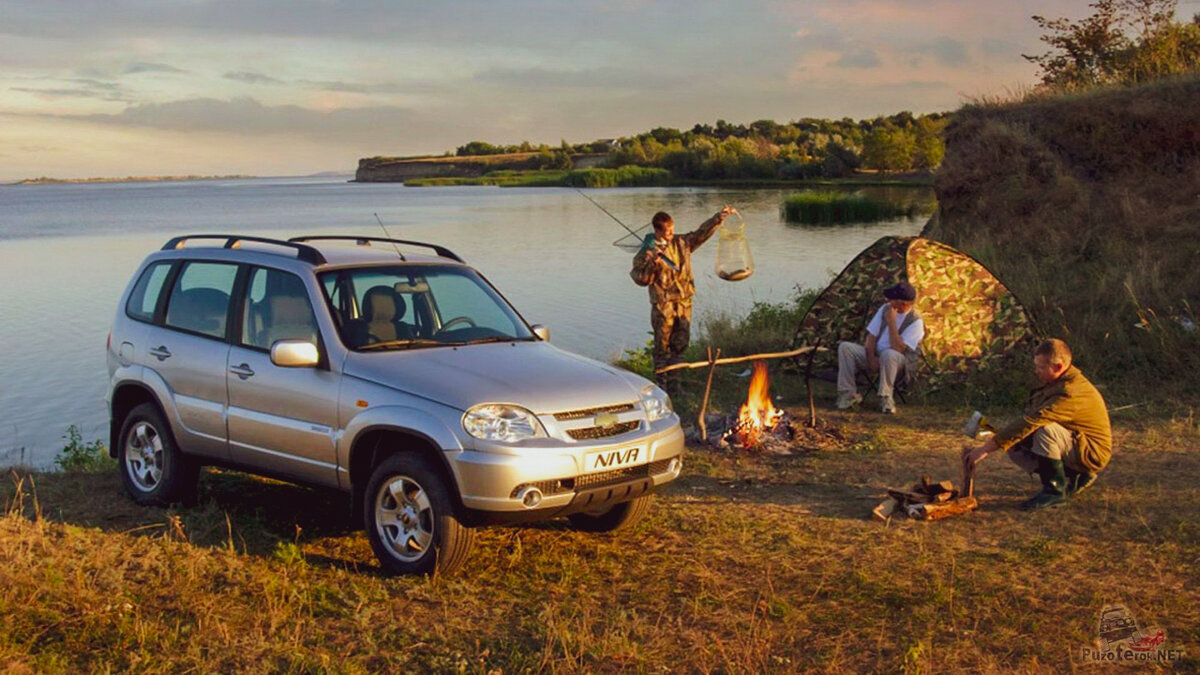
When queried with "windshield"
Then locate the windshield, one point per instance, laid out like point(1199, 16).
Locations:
point(414, 306)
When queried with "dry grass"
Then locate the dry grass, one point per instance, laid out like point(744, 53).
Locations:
point(747, 564)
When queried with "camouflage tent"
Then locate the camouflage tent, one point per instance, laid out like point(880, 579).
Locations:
point(972, 322)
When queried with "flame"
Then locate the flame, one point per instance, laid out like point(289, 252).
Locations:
point(757, 413)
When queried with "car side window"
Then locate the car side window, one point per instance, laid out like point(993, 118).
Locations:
point(144, 298)
point(276, 308)
point(199, 300)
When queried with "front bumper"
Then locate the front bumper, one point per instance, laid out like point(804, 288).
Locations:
point(492, 483)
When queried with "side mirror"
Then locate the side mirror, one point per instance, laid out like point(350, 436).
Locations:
point(294, 354)
point(541, 331)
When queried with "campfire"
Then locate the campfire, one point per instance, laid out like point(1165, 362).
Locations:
point(758, 422)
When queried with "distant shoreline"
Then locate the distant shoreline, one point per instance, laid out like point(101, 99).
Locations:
point(44, 180)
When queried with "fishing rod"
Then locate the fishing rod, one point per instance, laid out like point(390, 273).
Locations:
point(660, 254)
point(606, 211)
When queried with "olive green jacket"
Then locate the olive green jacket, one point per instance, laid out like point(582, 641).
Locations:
point(666, 284)
point(1073, 402)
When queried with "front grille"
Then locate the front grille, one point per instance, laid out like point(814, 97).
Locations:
point(593, 480)
point(592, 433)
point(592, 412)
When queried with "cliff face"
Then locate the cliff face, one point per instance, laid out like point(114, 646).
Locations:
point(1088, 208)
point(399, 169)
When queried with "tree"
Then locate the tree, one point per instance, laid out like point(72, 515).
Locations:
point(1123, 41)
point(887, 148)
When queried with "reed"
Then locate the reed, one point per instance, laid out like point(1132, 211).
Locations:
point(825, 207)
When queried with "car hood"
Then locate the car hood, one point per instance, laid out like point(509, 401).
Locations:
point(535, 375)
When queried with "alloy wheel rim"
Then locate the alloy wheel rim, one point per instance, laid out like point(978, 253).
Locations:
point(404, 518)
point(144, 456)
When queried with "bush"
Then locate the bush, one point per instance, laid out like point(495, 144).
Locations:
point(90, 457)
point(626, 176)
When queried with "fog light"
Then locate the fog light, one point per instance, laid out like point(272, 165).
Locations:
point(675, 465)
point(530, 497)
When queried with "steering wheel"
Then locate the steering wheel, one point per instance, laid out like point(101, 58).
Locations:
point(458, 319)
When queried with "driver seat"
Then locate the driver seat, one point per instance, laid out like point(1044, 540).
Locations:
point(382, 309)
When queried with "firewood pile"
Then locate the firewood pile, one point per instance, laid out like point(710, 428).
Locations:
point(927, 500)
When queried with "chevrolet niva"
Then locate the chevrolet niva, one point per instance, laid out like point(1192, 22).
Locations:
point(405, 380)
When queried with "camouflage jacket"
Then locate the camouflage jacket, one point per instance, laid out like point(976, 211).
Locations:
point(666, 284)
point(1073, 402)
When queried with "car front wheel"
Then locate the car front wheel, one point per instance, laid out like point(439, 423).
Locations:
point(410, 519)
point(153, 470)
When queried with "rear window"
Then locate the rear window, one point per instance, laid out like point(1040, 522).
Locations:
point(144, 298)
point(199, 301)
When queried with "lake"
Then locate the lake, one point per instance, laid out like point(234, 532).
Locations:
point(68, 250)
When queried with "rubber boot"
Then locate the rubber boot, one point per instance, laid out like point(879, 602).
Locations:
point(1054, 481)
point(1078, 481)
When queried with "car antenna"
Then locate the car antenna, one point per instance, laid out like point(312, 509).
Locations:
point(389, 236)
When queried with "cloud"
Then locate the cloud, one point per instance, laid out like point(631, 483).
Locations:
point(248, 117)
point(859, 58)
point(85, 88)
point(144, 67)
point(251, 78)
point(359, 88)
point(947, 51)
point(551, 78)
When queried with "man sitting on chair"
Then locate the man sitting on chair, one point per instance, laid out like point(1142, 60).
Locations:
point(893, 336)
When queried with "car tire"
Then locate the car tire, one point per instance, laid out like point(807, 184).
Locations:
point(620, 517)
point(153, 469)
point(410, 518)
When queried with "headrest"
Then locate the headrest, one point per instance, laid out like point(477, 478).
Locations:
point(288, 309)
point(382, 304)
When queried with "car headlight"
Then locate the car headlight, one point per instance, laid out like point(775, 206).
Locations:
point(501, 422)
point(656, 403)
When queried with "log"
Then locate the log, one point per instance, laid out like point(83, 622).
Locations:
point(954, 507)
point(736, 359)
point(707, 390)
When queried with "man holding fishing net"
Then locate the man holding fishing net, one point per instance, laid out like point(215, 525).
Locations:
point(664, 264)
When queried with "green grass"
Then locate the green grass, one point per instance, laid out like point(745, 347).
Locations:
point(829, 207)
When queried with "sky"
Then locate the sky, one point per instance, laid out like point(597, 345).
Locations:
point(110, 88)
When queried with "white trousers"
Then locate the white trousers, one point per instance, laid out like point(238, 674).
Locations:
point(853, 357)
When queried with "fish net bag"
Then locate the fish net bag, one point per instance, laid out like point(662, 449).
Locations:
point(734, 261)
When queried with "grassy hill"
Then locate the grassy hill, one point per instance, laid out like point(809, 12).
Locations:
point(1088, 207)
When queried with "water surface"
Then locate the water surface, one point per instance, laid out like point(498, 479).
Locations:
point(67, 251)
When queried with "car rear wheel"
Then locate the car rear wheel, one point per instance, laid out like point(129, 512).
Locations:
point(619, 517)
point(153, 470)
point(410, 519)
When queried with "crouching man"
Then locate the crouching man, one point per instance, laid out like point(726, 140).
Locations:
point(1064, 435)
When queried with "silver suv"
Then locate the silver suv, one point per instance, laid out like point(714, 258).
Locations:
point(405, 380)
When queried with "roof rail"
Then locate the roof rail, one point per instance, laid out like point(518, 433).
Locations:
point(366, 241)
point(305, 253)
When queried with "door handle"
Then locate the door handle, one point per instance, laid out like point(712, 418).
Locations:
point(243, 371)
point(161, 352)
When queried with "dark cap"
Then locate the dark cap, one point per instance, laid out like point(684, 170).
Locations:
point(901, 291)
